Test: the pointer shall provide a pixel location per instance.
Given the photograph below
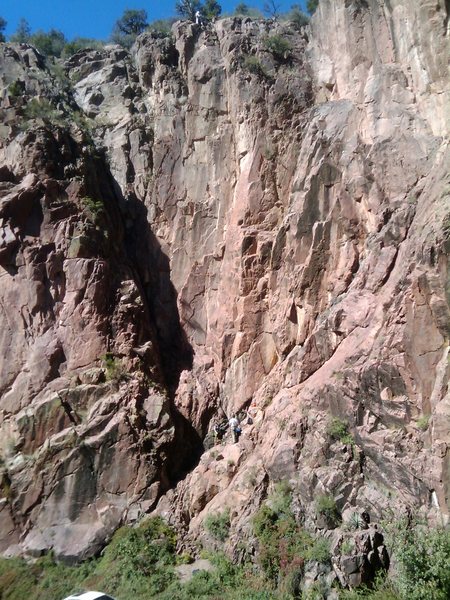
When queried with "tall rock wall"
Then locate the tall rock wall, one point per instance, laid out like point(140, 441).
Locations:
point(277, 235)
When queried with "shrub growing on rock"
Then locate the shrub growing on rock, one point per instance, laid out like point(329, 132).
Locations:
point(218, 525)
point(161, 28)
point(43, 109)
point(253, 65)
point(338, 430)
point(297, 17)
point(326, 506)
point(279, 47)
point(114, 370)
point(423, 422)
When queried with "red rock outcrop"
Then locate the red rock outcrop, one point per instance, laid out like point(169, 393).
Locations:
point(278, 228)
point(86, 425)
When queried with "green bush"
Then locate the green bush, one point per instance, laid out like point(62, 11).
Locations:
point(383, 589)
point(16, 88)
point(95, 209)
point(44, 110)
point(338, 430)
point(422, 571)
point(283, 544)
point(49, 43)
point(279, 47)
point(113, 367)
point(80, 43)
point(319, 551)
point(347, 547)
point(243, 10)
point(131, 24)
point(161, 28)
point(218, 525)
point(423, 562)
point(355, 522)
point(423, 422)
point(311, 6)
point(254, 65)
point(298, 17)
point(326, 506)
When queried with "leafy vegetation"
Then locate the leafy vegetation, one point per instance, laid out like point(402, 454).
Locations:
point(422, 571)
point(355, 522)
point(41, 108)
point(243, 10)
point(423, 422)
point(3, 25)
point(347, 546)
point(113, 367)
point(338, 430)
point(161, 28)
point(128, 27)
point(284, 546)
point(186, 9)
point(140, 563)
point(326, 506)
point(279, 46)
point(297, 17)
point(254, 65)
point(211, 9)
point(49, 43)
point(16, 88)
point(80, 43)
point(95, 209)
point(22, 34)
point(218, 525)
point(423, 561)
point(311, 6)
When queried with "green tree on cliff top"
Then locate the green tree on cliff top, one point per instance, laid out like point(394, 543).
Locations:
point(22, 34)
point(129, 26)
point(3, 25)
point(212, 9)
point(187, 8)
point(311, 6)
point(49, 43)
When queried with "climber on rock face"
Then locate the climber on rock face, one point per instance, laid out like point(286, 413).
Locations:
point(235, 428)
point(199, 18)
point(219, 429)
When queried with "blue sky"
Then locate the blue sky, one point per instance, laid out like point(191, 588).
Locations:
point(94, 18)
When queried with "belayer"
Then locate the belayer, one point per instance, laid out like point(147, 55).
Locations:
point(235, 428)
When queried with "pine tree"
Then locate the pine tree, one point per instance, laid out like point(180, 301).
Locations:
point(128, 27)
point(22, 34)
point(3, 25)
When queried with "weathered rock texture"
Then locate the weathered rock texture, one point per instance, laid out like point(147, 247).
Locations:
point(274, 231)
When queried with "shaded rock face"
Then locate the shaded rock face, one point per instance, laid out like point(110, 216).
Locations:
point(85, 422)
point(271, 231)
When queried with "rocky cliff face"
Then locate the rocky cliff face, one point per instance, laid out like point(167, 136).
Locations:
point(224, 224)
